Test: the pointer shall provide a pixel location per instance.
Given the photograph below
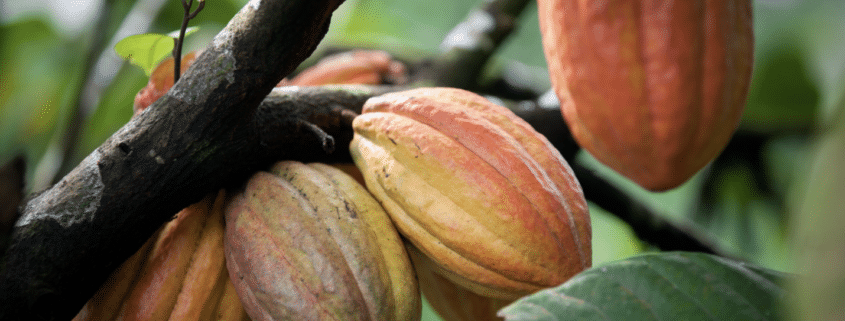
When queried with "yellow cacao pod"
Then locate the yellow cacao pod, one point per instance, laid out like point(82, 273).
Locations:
point(306, 242)
point(475, 188)
point(653, 89)
point(451, 301)
point(179, 274)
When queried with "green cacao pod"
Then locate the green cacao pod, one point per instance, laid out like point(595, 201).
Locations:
point(306, 242)
point(179, 274)
point(475, 188)
point(653, 89)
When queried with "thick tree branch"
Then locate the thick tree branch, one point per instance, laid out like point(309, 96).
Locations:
point(188, 143)
point(467, 48)
point(327, 107)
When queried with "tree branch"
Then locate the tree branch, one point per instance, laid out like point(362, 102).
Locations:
point(328, 107)
point(188, 143)
point(648, 225)
point(467, 48)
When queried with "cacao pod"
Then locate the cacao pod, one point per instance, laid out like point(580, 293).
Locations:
point(351, 170)
point(161, 79)
point(451, 301)
point(309, 243)
point(179, 274)
point(364, 67)
point(653, 89)
point(475, 188)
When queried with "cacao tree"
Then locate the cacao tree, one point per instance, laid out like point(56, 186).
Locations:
point(655, 144)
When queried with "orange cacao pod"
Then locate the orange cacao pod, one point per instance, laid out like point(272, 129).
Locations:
point(475, 188)
point(365, 67)
point(309, 243)
point(653, 89)
point(161, 79)
point(179, 274)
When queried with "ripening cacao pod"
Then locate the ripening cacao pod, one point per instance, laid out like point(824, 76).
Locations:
point(161, 79)
point(653, 89)
point(364, 67)
point(309, 243)
point(474, 188)
point(179, 274)
point(451, 301)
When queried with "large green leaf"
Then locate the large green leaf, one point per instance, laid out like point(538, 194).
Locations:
point(660, 286)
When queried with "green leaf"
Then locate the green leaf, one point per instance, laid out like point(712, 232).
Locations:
point(660, 286)
point(145, 50)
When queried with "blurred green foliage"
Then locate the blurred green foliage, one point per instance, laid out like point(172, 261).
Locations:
point(740, 200)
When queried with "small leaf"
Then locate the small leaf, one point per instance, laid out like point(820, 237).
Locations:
point(660, 286)
point(145, 50)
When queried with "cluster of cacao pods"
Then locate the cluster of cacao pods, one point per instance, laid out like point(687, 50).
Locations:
point(653, 89)
point(301, 242)
point(461, 195)
point(488, 210)
point(178, 274)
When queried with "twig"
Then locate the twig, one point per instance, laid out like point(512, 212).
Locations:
point(326, 140)
point(327, 107)
point(648, 225)
point(177, 42)
point(347, 115)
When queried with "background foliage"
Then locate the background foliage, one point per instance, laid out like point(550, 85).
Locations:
point(63, 91)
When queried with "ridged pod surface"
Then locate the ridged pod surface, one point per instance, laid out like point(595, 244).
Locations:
point(653, 89)
point(452, 302)
point(306, 242)
point(475, 188)
point(179, 274)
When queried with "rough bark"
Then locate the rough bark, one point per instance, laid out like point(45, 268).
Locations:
point(197, 137)
point(216, 126)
